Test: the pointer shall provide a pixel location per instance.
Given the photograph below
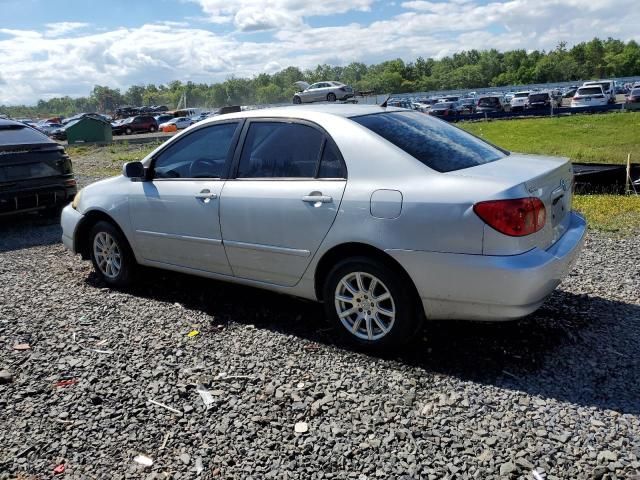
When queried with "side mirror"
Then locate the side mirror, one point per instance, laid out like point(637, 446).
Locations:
point(134, 170)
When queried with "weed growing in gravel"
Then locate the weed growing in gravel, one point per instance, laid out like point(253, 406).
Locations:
point(610, 213)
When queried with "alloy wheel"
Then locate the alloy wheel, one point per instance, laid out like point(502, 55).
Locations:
point(107, 254)
point(365, 306)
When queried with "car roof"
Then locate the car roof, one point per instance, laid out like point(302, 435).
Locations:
point(309, 112)
point(5, 122)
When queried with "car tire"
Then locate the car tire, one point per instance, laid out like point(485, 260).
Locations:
point(331, 97)
point(111, 255)
point(128, 131)
point(297, 100)
point(364, 327)
point(152, 129)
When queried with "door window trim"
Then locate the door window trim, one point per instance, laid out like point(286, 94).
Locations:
point(233, 171)
point(227, 164)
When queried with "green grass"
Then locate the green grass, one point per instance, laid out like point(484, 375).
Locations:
point(610, 213)
point(598, 138)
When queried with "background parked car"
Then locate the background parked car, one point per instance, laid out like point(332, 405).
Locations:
point(137, 124)
point(608, 88)
point(590, 96)
point(179, 123)
point(35, 172)
point(633, 97)
point(542, 100)
point(519, 101)
point(492, 103)
point(163, 118)
point(444, 109)
point(322, 92)
point(466, 105)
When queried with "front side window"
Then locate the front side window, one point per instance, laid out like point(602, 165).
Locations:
point(436, 144)
point(276, 149)
point(201, 154)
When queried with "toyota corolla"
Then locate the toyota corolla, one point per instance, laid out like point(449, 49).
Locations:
point(387, 216)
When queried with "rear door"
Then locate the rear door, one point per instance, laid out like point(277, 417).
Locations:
point(288, 185)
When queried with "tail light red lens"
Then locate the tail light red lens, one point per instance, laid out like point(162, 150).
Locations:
point(514, 217)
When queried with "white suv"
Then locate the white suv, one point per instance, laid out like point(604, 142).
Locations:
point(589, 96)
point(608, 88)
point(520, 101)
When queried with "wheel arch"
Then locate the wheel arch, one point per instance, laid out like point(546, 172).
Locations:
point(356, 249)
point(84, 229)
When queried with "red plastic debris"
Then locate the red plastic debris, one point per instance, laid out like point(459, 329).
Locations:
point(66, 383)
point(59, 469)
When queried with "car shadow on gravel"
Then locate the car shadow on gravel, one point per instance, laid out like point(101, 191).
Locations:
point(28, 230)
point(576, 348)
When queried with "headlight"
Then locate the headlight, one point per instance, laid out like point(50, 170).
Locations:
point(76, 200)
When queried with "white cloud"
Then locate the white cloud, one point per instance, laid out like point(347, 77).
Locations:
point(62, 28)
point(37, 64)
point(257, 15)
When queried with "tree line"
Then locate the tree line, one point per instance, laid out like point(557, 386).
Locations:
point(465, 70)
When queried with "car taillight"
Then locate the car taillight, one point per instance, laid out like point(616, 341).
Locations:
point(514, 217)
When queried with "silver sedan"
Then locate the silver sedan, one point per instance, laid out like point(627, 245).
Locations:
point(322, 92)
point(387, 216)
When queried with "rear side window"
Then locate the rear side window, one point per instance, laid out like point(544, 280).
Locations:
point(331, 163)
point(433, 142)
point(201, 154)
point(285, 150)
point(21, 135)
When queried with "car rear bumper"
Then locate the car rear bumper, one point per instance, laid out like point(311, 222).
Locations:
point(485, 287)
point(35, 197)
point(69, 220)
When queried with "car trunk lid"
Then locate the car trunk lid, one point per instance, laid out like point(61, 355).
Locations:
point(26, 162)
point(517, 175)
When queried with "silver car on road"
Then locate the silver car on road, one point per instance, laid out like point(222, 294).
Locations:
point(322, 92)
point(387, 216)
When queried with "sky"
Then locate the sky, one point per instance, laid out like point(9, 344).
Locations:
point(65, 47)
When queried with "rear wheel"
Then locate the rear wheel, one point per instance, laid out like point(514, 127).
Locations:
point(370, 304)
point(152, 128)
point(111, 256)
point(128, 131)
point(331, 97)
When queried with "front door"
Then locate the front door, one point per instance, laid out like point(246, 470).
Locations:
point(282, 202)
point(175, 214)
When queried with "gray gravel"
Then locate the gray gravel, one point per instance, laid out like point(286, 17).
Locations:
point(558, 391)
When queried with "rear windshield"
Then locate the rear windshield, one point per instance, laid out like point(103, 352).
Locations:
point(538, 97)
point(589, 91)
point(488, 101)
point(433, 142)
point(635, 92)
point(521, 95)
point(20, 135)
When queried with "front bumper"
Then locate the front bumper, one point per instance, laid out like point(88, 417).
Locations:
point(69, 220)
point(486, 287)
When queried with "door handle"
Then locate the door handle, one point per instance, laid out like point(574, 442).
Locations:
point(317, 198)
point(206, 195)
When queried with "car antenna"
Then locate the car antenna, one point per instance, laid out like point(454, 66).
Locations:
point(384, 103)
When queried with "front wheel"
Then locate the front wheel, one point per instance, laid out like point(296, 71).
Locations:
point(152, 129)
point(128, 131)
point(297, 100)
point(370, 304)
point(111, 256)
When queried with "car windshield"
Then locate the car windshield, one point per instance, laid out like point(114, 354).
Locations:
point(635, 92)
point(441, 106)
point(435, 143)
point(589, 91)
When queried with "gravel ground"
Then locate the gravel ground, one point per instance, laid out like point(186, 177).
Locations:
point(558, 391)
